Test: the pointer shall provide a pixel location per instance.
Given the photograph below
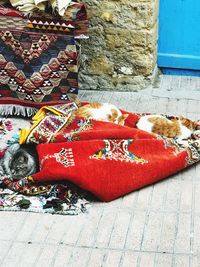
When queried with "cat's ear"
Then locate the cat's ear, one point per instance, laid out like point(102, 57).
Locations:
point(124, 116)
point(13, 148)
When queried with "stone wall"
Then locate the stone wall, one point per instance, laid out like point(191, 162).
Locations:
point(122, 50)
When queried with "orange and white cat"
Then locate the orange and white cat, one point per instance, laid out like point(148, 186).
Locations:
point(180, 128)
point(102, 112)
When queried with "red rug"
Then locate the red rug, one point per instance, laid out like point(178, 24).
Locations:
point(104, 158)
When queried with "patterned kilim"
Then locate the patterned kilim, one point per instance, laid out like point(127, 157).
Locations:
point(39, 56)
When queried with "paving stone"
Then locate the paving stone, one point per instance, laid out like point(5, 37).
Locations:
point(163, 260)
point(28, 227)
point(196, 197)
point(96, 258)
point(129, 259)
point(173, 195)
point(158, 196)
point(195, 262)
point(88, 233)
point(59, 222)
point(197, 234)
point(144, 198)
point(79, 257)
point(175, 82)
point(62, 256)
point(151, 235)
point(168, 233)
point(113, 259)
point(105, 228)
point(46, 256)
point(133, 102)
point(135, 232)
point(129, 201)
point(43, 226)
point(4, 248)
point(120, 228)
point(147, 259)
point(14, 255)
point(182, 261)
point(182, 241)
point(73, 229)
point(166, 81)
point(10, 224)
point(186, 197)
point(30, 255)
point(106, 96)
point(142, 103)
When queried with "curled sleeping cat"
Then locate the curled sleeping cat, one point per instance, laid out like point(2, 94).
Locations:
point(19, 161)
point(180, 128)
point(102, 112)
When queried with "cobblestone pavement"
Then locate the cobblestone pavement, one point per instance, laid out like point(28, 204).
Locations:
point(155, 226)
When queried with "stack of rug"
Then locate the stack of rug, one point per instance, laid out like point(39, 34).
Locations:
point(107, 159)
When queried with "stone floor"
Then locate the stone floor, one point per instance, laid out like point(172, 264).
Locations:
point(156, 226)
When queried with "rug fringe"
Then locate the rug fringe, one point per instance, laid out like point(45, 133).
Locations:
point(17, 110)
point(50, 211)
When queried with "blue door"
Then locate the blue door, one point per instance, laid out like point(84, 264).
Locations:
point(179, 34)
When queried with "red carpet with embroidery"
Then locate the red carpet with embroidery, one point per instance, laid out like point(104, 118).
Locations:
point(104, 158)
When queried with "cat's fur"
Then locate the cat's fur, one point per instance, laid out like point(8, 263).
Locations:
point(19, 161)
point(102, 112)
point(180, 128)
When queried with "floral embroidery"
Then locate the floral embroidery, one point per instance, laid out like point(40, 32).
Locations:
point(193, 150)
point(192, 147)
point(47, 128)
point(82, 125)
point(5, 126)
point(65, 157)
point(118, 150)
point(170, 142)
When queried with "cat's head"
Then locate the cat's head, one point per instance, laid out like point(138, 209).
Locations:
point(192, 125)
point(21, 161)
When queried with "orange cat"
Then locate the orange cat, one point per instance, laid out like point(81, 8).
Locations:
point(102, 112)
point(181, 128)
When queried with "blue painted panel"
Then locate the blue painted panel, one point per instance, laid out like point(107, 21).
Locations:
point(179, 34)
point(180, 72)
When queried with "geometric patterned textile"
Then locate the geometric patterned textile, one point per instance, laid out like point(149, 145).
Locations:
point(39, 56)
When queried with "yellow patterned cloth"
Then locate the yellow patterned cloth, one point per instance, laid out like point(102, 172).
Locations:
point(55, 117)
point(28, 6)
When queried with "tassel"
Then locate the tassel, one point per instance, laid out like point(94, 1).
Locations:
point(15, 110)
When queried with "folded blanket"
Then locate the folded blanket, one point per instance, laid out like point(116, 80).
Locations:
point(28, 6)
point(104, 158)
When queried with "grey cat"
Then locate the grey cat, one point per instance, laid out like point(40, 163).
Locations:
point(19, 161)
